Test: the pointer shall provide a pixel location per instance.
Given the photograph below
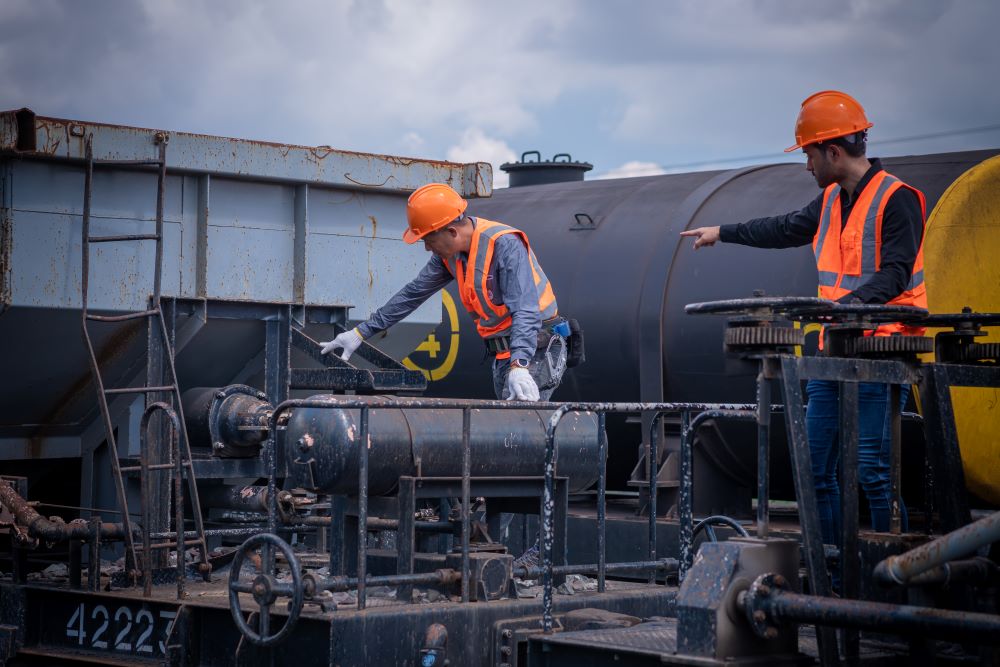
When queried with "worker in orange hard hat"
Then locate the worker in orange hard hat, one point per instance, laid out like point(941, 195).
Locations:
point(866, 228)
point(501, 284)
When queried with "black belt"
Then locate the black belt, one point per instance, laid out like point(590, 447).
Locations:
point(499, 344)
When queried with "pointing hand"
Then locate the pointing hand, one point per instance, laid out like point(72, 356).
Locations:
point(704, 236)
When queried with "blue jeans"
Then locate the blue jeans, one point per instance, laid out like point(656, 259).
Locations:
point(874, 452)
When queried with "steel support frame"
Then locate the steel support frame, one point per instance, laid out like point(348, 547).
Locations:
point(939, 426)
point(934, 381)
point(549, 491)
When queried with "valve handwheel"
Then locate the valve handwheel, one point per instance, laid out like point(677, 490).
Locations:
point(265, 589)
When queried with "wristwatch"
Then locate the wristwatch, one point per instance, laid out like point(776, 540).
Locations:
point(519, 363)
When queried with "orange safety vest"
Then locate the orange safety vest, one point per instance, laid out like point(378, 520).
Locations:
point(494, 320)
point(847, 256)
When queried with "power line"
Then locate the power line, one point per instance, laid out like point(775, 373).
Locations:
point(935, 135)
point(880, 142)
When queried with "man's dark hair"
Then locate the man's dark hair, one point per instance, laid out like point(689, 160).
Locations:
point(852, 144)
point(460, 221)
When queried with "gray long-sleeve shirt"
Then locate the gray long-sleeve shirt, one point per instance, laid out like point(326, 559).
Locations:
point(510, 280)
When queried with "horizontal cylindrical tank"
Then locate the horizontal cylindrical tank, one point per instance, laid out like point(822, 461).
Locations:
point(960, 255)
point(618, 265)
point(322, 445)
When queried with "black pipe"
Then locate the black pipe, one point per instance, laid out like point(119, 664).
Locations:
point(780, 606)
point(315, 583)
point(978, 570)
point(652, 470)
point(602, 503)
point(666, 565)
point(52, 531)
point(956, 544)
point(376, 523)
point(689, 427)
point(363, 508)
point(763, 454)
point(243, 498)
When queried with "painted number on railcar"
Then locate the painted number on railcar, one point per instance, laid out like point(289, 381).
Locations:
point(136, 630)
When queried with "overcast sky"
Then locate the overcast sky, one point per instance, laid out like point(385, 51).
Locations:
point(634, 87)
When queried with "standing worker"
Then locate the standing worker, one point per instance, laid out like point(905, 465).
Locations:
point(501, 284)
point(866, 229)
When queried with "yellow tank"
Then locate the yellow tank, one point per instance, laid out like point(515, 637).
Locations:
point(962, 262)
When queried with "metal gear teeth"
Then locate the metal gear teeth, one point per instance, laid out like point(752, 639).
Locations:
point(892, 345)
point(982, 352)
point(763, 336)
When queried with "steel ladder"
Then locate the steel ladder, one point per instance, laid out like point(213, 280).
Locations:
point(155, 320)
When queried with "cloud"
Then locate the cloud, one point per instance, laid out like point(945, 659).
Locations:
point(632, 169)
point(413, 143)
point(645, 81)
point(476, 146)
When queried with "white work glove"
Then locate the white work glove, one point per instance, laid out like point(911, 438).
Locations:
point(349, 340)
point(521, 386)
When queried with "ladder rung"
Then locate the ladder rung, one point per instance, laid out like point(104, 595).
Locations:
point(139, 390)
point(123, 318)
point(123, 237)
point(155, 466)
point(112, 163)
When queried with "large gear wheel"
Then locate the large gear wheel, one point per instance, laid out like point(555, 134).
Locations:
point(763, 336)
point(981, 352)
point(889, 345)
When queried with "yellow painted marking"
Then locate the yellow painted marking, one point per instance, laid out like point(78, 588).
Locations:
point(432, 346)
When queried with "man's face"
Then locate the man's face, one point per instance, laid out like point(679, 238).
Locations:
point(443, 242)
point(819, 165)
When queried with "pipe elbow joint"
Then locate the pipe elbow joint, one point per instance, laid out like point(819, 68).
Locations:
point(434, 651)
point(885, 573)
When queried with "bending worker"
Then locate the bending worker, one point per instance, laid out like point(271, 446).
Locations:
point(500, 283)
point(866, 229)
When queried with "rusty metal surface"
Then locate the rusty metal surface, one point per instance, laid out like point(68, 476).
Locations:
point(57, 137)
point(956, 544)
point(29, 526)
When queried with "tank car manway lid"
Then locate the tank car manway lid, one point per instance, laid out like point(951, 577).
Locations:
point(560, 169)
point(558, 161)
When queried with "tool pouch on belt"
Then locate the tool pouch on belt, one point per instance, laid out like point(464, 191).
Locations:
point(575, 353)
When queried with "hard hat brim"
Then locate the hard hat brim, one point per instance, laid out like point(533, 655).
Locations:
point(411, 237)
point(827, 138)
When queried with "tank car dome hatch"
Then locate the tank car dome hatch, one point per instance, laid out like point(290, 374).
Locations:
point(961, 245)
point(560, 169)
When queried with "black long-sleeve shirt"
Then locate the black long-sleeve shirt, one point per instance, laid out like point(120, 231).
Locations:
point(902, 232)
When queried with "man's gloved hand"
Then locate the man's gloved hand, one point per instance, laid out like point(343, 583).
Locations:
point(349, 340)
point(521, 386)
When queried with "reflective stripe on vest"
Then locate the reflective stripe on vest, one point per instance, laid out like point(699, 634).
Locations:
point(491, 319)
point(848, 254)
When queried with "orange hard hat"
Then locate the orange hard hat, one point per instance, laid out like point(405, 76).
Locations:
point(431, 207)
point(826, 115)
